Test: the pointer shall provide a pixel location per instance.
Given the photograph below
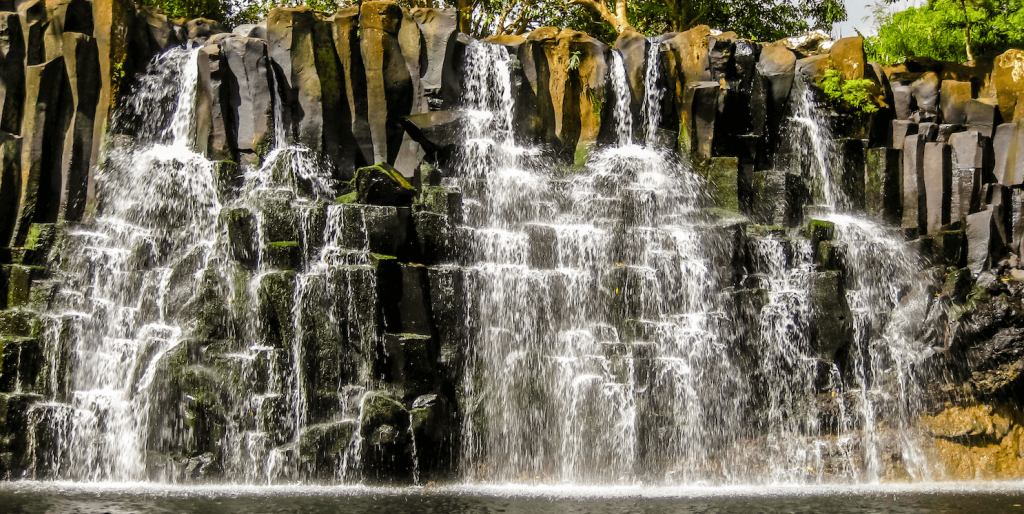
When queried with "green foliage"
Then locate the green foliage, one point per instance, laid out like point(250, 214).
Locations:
point(938, 30)
point(850, 95)
point(574, 61)
point(189, 9)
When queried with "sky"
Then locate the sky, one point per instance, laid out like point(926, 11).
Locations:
point(858, 10)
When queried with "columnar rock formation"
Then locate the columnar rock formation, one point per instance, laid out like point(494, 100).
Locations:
point(374, 93)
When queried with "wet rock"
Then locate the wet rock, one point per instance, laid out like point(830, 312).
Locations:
point(882, 187)
point(832, 321)
point(432, 425)
point(323, 447)
point(283, 255)
point(241, 225)
point(384, 429)
point(383, 185)
point(437, 132)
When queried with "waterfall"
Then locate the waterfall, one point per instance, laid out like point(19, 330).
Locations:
point(618, 331)
point(121, 289)
point(653, 93)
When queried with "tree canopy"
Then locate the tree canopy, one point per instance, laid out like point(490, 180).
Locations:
point(948, 30)
point(604, 19)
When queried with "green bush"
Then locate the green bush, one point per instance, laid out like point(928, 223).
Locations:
point(851, 95)
point(938, 30)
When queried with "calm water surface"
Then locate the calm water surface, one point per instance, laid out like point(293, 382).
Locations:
point(57, 497)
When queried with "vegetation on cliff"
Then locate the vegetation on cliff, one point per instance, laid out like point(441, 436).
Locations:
point(948, 30)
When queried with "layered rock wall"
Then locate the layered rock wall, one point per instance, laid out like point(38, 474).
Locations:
point(941, 161)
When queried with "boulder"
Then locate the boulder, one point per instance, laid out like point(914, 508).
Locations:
point(778, 66)
point(953, 99)
point(437, 131)
point(810, 43)
point(1008, 82)
point(847, 55)
point(926, 93)
point(203, 28)
point(632, 46)
point(383, 185)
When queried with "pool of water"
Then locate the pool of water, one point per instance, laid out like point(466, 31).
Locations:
point(66, 497)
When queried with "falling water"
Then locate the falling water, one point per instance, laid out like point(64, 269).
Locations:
point(653, 93)
point(126, 277)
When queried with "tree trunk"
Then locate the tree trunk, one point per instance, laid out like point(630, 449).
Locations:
point(617, 19)
point(465, 8)
point(967, 30)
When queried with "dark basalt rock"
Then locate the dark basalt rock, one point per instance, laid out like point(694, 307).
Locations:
point(383, 185)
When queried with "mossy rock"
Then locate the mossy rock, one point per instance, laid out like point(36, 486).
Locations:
point(382, 184)
point(283, 255)
point(379, 410)
point(765, 230)
point(18, 322)
point(818, 230)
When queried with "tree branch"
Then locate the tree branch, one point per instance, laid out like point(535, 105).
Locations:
point(616, 20)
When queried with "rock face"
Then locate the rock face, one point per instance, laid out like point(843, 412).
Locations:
point(942, 163)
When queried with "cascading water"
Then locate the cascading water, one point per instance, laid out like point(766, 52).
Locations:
point(605, 347)
point(610, 340)
point(143, 279)
point(126, 277)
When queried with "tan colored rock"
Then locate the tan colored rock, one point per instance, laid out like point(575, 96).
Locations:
point(389, 85)
point(848, 57)
point(978, 420)
point(568, 102)
point(1008, 81)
